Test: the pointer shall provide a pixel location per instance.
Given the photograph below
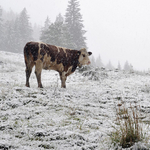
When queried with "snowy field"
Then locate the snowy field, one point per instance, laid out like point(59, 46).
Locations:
point(79, 117)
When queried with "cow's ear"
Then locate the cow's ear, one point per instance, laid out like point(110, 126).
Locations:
point(79, 53)
point(90, 53)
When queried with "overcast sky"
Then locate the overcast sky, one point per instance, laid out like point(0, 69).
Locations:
point(118, 30)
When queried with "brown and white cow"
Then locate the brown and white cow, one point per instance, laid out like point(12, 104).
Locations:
point(50, 57)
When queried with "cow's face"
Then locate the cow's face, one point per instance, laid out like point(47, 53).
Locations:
point(84, 57)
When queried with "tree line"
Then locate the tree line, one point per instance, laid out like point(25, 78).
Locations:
point(15, 33)
point(67, 31)
point(99, 63)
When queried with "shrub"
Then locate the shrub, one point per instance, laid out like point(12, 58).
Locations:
point(129, 129)
point(95, 74)
point(146, 88)
point(84, 68)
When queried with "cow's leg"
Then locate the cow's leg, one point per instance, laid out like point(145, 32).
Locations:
point(63, 78)
point(38, 70)
point(28, 73)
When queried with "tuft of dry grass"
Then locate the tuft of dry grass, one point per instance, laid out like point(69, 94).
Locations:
point(129, 130)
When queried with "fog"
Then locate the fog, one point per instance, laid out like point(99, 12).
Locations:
point(117, 30)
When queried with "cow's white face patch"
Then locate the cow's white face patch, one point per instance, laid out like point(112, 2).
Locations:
point(84, 57)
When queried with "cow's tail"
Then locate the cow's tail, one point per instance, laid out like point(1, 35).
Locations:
point(26, 54)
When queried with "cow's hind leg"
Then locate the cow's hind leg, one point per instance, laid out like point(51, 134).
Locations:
point(38, 70)
point(63, 78)
point(28, 73)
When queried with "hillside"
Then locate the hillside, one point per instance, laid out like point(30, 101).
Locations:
point(80, 117)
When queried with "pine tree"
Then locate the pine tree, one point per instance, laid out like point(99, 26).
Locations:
point(25, 29)
point(126, 66)
point(16, 35)
point(74, 23)
point(15, 31)
point(56, 33)
point(9, 15)
point(62, 32)
point(131, 68)
point(9, 39)
point(93, 63)
point(59, 19)
point(119, 66)
point(109, 66)
point(99, 62)
point(45, 31)
point(63, 36)
point(36, 32)
point(52, 34)
point(1, 30)
point(10, 36)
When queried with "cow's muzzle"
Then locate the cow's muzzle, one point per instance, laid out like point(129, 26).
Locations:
point(88, 63)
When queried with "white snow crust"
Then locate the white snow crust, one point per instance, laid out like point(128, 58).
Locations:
point(79, 117)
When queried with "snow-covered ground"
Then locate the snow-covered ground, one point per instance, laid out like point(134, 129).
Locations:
point(79, 117)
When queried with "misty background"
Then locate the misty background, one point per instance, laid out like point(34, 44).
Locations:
point(117, 32)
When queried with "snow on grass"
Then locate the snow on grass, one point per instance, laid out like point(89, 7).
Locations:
point(78, 117)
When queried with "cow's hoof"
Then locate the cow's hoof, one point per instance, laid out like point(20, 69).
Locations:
point(27, 85)
point(63, 87)
point(40, 86)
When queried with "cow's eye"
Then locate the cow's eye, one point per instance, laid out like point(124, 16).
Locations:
point(83, 55)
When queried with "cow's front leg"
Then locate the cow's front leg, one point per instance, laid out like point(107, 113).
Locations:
point(38, 70)
point(38, 76)
point(63, 78)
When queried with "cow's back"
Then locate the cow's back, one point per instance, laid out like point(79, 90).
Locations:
point(52, 57)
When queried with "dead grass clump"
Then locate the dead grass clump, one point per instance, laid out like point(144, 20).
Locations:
point(129, 130)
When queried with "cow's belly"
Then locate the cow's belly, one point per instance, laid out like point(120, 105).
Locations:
point(47, 66)
point(58, 67)
point(53, 66)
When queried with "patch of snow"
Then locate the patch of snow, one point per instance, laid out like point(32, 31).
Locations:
point(78, 117)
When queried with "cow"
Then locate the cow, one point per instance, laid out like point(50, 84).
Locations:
point(50, 57)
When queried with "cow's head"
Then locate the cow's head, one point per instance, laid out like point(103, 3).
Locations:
point(84, 57)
